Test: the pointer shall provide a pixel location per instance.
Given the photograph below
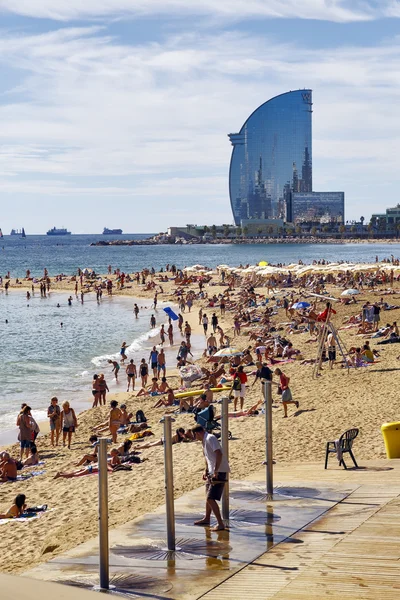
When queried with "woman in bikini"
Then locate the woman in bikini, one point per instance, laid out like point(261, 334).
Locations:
point(17, 509)
point(103, 388)
point(95, 390)
point(131, 374)
point(144, 372)
point(115, 418)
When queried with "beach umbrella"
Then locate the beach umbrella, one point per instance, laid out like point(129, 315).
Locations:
point(263, 263)
point(171, 313)
point(351, 292)
point(299, 305)
point(228, 352)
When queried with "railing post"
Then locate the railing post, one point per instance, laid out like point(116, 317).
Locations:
point(103, 516)
point(225, 452)
point(169, 482)
point(268, 436)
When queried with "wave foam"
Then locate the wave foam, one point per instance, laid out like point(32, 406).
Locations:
point(137, 345)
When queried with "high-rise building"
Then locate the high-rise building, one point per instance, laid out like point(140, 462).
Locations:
point(272, 157)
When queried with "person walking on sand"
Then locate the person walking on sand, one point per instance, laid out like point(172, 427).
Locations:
point(68, 422)
point(131, 374)
point(54, 414)
point(153, 360)
point(215, 474)
point(170, 332)
point(286, 393)
point(204, 320)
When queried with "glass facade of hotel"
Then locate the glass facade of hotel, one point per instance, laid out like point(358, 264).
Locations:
point(272, 157)
point(316, 208)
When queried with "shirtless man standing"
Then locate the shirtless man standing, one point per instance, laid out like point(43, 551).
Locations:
point(331, 343)
point(161, 363)
point(211, 344)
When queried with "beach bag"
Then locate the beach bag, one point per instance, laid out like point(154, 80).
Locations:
point(286, 395)
point(140, 418)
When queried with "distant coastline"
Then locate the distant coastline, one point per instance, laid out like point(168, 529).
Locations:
point(156, 241)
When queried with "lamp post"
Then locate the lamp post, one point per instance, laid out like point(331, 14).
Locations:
point(225, 452)
point(169, 482)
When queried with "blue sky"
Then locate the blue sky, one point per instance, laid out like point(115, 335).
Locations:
point(116, 112)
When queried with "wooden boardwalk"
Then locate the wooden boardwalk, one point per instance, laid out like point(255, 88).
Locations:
point(352, 552)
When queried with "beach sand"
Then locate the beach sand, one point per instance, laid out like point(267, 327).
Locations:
point(336, 401)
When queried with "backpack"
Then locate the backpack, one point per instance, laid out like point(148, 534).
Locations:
point(237, 384)
point(140, 418)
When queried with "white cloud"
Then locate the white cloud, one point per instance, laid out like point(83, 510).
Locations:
point(331, 10)
point(92, 118)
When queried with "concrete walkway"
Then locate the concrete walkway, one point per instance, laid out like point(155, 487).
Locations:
point(325, 534)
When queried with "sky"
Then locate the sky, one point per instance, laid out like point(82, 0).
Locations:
point(115, 113)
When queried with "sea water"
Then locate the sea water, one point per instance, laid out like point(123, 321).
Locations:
point(66, 254)
point(39, 358)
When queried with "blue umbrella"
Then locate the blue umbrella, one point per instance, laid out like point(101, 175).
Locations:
point(298, 305)
point(171, 313)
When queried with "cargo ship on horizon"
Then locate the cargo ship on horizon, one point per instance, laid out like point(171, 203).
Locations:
point(55, 231)
point(107, 231)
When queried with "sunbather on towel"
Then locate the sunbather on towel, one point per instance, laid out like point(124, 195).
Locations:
point(16, 509)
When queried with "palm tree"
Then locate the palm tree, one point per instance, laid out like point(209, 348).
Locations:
point(238, 232)
point(214, 231)
point(227, 230)
point(259, 231)
point(245, 231)
point(313, 230)
point(342, 230)
point(280, 231)
point(206, 229)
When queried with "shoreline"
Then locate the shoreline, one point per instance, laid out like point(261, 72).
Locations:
point(84, 401)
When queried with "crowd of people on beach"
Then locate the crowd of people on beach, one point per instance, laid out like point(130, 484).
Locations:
point(265, 319)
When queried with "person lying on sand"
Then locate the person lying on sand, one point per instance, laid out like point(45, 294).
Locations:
point(17, 509)
point(253, 410)
point(177, 438)
point(114, 462)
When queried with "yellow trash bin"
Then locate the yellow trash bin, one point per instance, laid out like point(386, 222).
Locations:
point(391, 437)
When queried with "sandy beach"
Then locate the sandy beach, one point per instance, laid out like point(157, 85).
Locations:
point(337, 400)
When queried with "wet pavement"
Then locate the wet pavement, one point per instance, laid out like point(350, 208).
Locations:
point(142, 566)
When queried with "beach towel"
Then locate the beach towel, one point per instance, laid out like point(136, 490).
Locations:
point(140, 434)
point(26, 517)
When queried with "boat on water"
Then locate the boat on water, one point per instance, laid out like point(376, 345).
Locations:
point(1, 234)
point(23, 234)
point(112, 231)
point(55, 231)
